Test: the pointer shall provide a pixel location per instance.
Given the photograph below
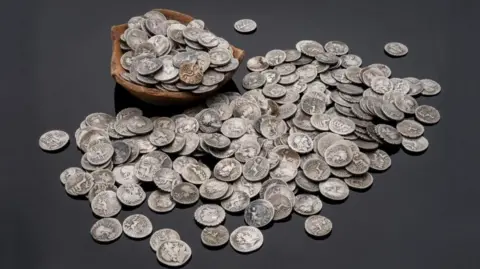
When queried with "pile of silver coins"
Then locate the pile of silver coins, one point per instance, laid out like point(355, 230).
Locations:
point(311, 126)
point(171, 56)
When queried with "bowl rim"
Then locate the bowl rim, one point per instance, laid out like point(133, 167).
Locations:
point(141, 91)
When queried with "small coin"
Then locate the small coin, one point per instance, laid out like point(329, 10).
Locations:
point(237, 202)
point(305, 184)
point(105, 204)
point(124, 174)
point(379, 160)
point(259, 213)
point(161, 236)
point(245, 26)
point(334, 189)
point(256, 168)
point(318, 226)
point(360, 182)
point(209, 215)
point(173, 253)
point(396, 49)
point(336, 47)
point(338, 154)
point(246, 239)
point(122, 152)
point(131, 194)
point(415, 145)
point(53, 140)
point(341, 125)
point(165, 179)
point(427, 114)
point(282, 206)
point(234, 127)
point(185, 193)
point(99, 153)
point(253, 80)
point(106, 230)
point(160, 202)
point(215, 236)
point(307, 204)
point(292, 55)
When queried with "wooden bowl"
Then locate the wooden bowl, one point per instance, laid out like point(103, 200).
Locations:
point(154, 95)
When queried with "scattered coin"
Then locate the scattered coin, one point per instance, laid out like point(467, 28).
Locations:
point(105, 204)
point(360, 182)
point(215, 236)
point(396, 49)
point(185, 193)
point(53, 140)
point(415, 145)
point(259, 213)
point(209, 215)
point(334, 189)
point(427, 114)
point(318, 226)
point(161, 236)
point(246, 239)
point(174, 253)
point(245, 26)
point(160, 202)
point(137, 226)
point(106, 230)
point(307, 204)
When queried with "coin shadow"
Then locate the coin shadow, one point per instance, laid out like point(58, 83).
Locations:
point(414, 153)
point(319, 238)
point(214, 248)
point(168, 266)
point(268, 226)
point(236, 214)
point(131, 208)
point(362, 190)
point(149, 187)
point(287, 219)
point(333, 202)
point(107, 243)
point(78, 198)
point(182, 206)
point(390, 149)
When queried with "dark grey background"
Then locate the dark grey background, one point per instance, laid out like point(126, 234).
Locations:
point(422, 213)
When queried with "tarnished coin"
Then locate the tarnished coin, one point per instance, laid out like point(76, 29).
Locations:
point(220, 56)
point(381, 85)
point(147, 65)
point(392, 112)
point(99, 153)
point(300, 142)
point(396, 49)
point(215, 236)
point(379, 160)
point(282, 206)
point(274, 90)
point(160, 202)
point(360, 182)
point(191, 73)
point(98, 188)
point(124, 174)
point(209, 120)
point(246, 239)
point(237, 202)
point(161, 137)
point(131, 194)
point(410, 129)
point(105, 204)
point(338, 155)
point(216, 140)
point(318, 226)
point(185, 193)
point(275, 57)
point(360, 163)
point(253, 80)
point(106, 230)
point(161, 236)
point(168, 70)
point(79, 184)
point(69, 172)
point(316, 169)
point(146, 167)
point(334, 189)
point(320, 121)
point(388, 134)
point(173, 253)
point(256, 168)
point(259, 213)
point(135, 37)
point(336, 47)
point(245, 26)
point(234, 127)
point(289, 79)
point(227, 170)
point(311, 48)
point(292, 55)
point(122, 152)
point(250, 188)
point(272, 128)
point(368, 73)
point(213, 189)
point(53, 140)
point(209, 215)
point(163, 159)
point(232, 65)
point(427, 114)
point(137, 226)
point(196, 173)
point(307, 73)
point(248, 149)
point(177, 145)
point(415, 145)
point(307, 204)
point(312, 104)
point(302, 182)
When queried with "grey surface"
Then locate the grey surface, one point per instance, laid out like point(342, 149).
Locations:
point(421, 213)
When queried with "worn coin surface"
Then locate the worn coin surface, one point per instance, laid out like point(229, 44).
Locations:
point(334, 189)
point(282, 206)
point(410, 129)
point(79, 184)
point(185, 193)
point(275, 57)
point(250, 188)
point(53, 140)
point(338, 155)
point(237, 202)
point(173, 253)
point(360, 182)
point(106, 230)
point(209, 215)
point(430, 87)
point(307, 204)
point(336, 47)
point(162, 235)
point(300, 142)
point(379, 160)
point(396, 49)
point(131, 194)
point(427, 114)
point(341, 125)
point(360, 163)
point(227, 170)
point(245, 26)
point(256, 168)
point(160, 201)
point(69, 172)
point(415, 145)
point(137, 226)
point(122, 152)
point(105, 204)
point(259, 213)
point(318, 225)
point(213, 189)
point(246, 239)
point(215, 236)
point(316, 169)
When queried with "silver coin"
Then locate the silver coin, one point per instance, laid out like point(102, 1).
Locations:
point(410, 129)
point(305, 184)
point(287, 110)
point(326, 141)
point(175, 32)
point(220, 56)
point(359, 165)
point(147, 66)
point(216, 140)
point(353, 74)
point(256, 168)
point(234, 127)
point(257, 64)
point(274, 90)
point(166, 179)
point(215, 236)
point(99, 120)
point(381, 85)
point(53, 140)
point(106, 230)
point(69, 172)
point(232, 65)
point(316, 169)
point(128, 112)
point(312, 103)
point(336, 47)
point(338, 154)
point(137, 226)
point(427, 114)
point(237, 202)
point(196, 23)
point(259, 213)
point(125, 174)
point(146, 167)
point(173, 253)
point(282, 189)
point(163, 159)
point(79, 184)
point(246, 239)
point(334, 189)
point(284, 69)
point(253, 80)
point(272, 128)
point(392, 112)
point(282, 206)
point(341, 125)
point(213, 189)
point(415, 145)
point(227, 170)
point(161, 137)
point(208, 39)
point(155, 14)
point(186, 125)
point(430, 87)
point(320, 121)
point(131, 194)
point(177, 145)
point(292, 55)
point(379, 160)
point(275, 57)
point(311, 48)
point(126, 60)
point(318, 226)
point(122, 152)
point(212, 77)
point(307, 204)
point(300, 142)
point(135, 37)
point(248, 149)
point(252, 189)
point(139, 125)
point(181, 162)
point(388, 134)
point(209, 215)
point(99, 152)
point(396, 49)
point(160, 202)
point(349, 60)
point(368, 73)
point(307, 73)
point(185, 193)
point(289, 79)
point(120, 126)
point(105, 204)
point(168, 70)
point(406, 104)
point(92, 135)
point(360, 182)
point(161, 236)
point(328, 79)
point(245, 25)
point(98, 188)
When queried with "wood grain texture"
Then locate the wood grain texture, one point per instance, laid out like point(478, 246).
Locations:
point(154, 95)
